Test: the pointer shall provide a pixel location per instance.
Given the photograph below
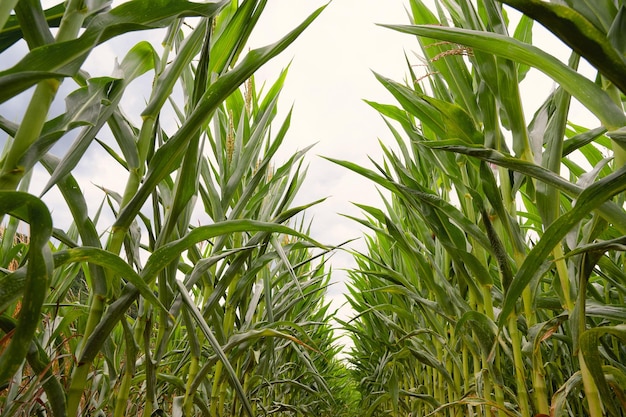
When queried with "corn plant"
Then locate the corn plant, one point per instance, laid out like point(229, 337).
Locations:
point(205, 295)
point(493, 281)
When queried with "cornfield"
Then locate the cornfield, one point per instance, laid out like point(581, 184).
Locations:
point(159, 314)
point(492, 279)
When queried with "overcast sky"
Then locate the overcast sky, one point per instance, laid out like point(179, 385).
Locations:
point(330, 75)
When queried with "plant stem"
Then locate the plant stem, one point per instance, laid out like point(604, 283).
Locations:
point(591, 389)
point(215, 390)
point(75, 14)
point(522, 393)
point(27, 133)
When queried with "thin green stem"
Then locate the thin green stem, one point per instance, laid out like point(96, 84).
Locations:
point(520, 378)
point(75, 14)
point(29, 130)
point(591, 389)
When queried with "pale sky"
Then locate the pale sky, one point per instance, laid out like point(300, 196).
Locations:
point(329, 77)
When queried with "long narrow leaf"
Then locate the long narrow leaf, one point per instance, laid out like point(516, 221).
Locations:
point(590, 94)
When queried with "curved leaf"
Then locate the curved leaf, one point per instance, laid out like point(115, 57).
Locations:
point(590, 199)
point(583, 36)
point(589, 341)
point(39, 268)
point(64, 59)
point(587, 92)
point(137, 61)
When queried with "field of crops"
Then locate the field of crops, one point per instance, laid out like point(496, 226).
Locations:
point(492, 282)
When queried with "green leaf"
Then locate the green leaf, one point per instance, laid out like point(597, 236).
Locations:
point(589, 342)
point(164, 256)
point(38, 270)
point(524, 33)
point(11, 32)
point(609, 210)
point(137, 61)
point(446, 210)
point(109, 261)
point(485, 329)
point(588, 40)
point(32, 22)
point(64, 59)
point(588, 93)
point(617, 32)
point(204, 327)
point(447, 60)
point(233, 37)
point(492, 192)
point(552, 135)
point(446, 119)
point(168, 157)
point(165, 82)
point(590, 199)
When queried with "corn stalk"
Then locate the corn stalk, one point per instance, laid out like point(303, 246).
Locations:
point(482, 263)
point(205, 293)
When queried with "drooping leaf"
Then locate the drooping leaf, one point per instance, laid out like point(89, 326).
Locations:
point(583, 36)
point(38, 270)
point(63, 59)
point(587, 92)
